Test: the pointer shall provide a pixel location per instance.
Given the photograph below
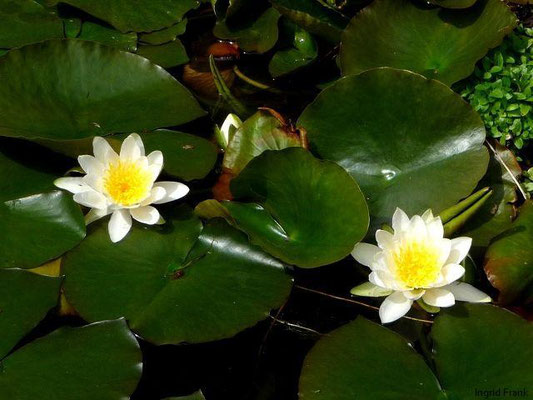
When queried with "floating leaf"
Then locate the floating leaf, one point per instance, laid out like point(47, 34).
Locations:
point(108, 36)
point(302, 51)
point(369, 362)
point(167, 55)
point(170, 286)
point(102, 91)
point(509, 259)
point(438, 43)
point(306, 212)
point(313, 17)
point(258, 36)
point(409, 142)
point(164, 35)
point(126, 15)
point(99, 361)
point(25, 298)
point(453, 3)
point(25, 22)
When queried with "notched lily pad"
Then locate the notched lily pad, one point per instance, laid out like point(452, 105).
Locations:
point(173, 283)
point(409, 142)
point(102, 91)
point(75, 361)
point(438, 43)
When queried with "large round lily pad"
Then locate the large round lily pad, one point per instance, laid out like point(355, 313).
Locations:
point(172, 285)
point(136, 15)
point(409, 142)
point(305, 211)
point(509, 259)
point(439, 43)
point(25, 298)
point(101, 90)
point(100, 361)
point(475, 347)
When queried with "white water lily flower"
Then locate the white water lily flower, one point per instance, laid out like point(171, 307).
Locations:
point(416, 262)
point(122, 185)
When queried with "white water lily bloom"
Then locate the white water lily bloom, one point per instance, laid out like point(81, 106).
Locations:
point(122, 185)
point(416, 262)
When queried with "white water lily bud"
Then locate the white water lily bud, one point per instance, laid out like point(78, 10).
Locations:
point(225, 133)
point(122, 185)
point(415, 262)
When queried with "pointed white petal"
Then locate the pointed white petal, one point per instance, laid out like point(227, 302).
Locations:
point(364, 253)
point(435, 228)
point(119, 225)
point(400, 220)
point(459, 250)
point(147, 215)
point(156, 194)
point(444, 248)
point(94, 181)
point(91, 199)
point(384, 238)
point(91, 165)
point(452, 272)
point(139, 142)
point(375, 279)
point(417, 227)
point(103, 151)
point(72, 184)
point(95, 214)
point(428, 216)
point(414, 294)
point(173, 191)
point(394, 307)
point(439, 297)
point(130, 149)
point(465, 292)
point(155, 157)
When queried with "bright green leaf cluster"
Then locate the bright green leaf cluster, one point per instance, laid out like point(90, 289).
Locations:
point(501, 89)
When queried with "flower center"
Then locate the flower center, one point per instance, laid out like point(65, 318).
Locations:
point(417, 264)
point(127, 183)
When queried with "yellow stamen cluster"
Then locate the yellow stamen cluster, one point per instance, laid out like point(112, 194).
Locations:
point(127, 183)
point(417, 264)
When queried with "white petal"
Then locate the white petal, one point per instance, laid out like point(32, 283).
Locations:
point(72, 184)
point(103, 151)
point(435, 228)
point(444, 247)
point(156, 194)
point(465, 292)
point(119, 225)
point(95, 214)
point(428, 216)
point(91, 199)
point(174, 191)
point(91, 165)
point(130, 149)
point(155, 157)
point(439, 297)
point(364, 253)
point(459, 250)
point(95, 181)
point(384, 238)
point(414, 294)
point(147, 215)
point(394, 307)
point(417, 227)
point(376, 279)
point(452, 272)
point(400, 220)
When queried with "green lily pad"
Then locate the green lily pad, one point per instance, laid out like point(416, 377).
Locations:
point(443, 44)
point(25, 298)
point(305, 211)
point(313, 17)
point(172, 285)
point(119, 92)
point(409, 142)
point(482, 347)
point(498, 212)
point(39, 228)
point(164, 35)
point(262, 131)
point(166, 55)
point(137, 16)
point(25, 22)
point(454, 3)
point(257, 36)
point(99, 361)
point(366, 361)
point(108, 36)
point(509, 259)
point(302, 50)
